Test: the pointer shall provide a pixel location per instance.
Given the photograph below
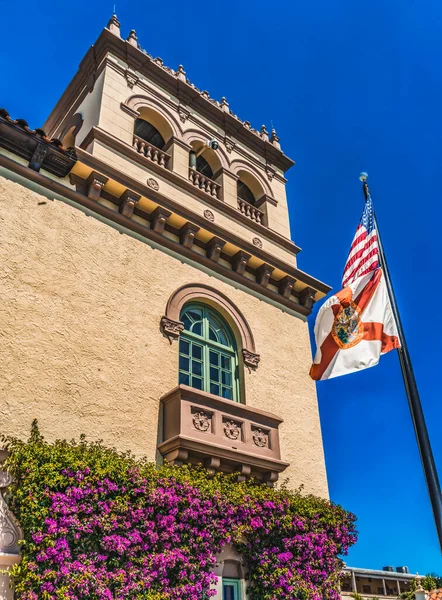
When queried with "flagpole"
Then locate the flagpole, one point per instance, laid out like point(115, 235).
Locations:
point(417, 415)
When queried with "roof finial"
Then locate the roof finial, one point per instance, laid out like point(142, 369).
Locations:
point(224, 104)
point(274, 139)
point(181, 73)
point(114, 25)
point(132, 39)
point(264, 133)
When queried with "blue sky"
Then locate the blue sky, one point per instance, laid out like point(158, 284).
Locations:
point(350, 86)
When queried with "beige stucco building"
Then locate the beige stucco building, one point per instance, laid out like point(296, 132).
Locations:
point(144, 245)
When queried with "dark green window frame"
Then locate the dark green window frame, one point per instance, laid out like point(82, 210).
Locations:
point(208, 358)
point(231, 589)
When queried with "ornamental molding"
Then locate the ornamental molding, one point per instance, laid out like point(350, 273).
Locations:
point(260, 437)
point(131, 78)
point(202, 420)
point(170, 328)
point(251, 359)
point(257, 242)
point(153, 183)
point(232, 429)
point(208, 214)
point(205, 293)
point(10, 530)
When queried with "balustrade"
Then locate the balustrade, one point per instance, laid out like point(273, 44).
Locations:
point(150, 151)
point(250, 211)
point(204, 183)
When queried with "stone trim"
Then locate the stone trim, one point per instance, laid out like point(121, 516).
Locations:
point(137, 60)
point(128, 152)
point(192, 292)
point(202, 427)
point(54, 186)
point(10, 530)
point(170, 328)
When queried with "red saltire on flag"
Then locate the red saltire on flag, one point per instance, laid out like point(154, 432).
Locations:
point(356, 326)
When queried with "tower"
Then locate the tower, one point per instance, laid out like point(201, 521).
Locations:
point(152, 295)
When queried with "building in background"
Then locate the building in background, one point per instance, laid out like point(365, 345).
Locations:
point(371, 583)
point(151, 295)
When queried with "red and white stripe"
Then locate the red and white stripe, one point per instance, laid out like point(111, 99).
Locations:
point(363, 256)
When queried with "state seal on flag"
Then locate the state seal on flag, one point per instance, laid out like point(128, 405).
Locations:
point(348, 329)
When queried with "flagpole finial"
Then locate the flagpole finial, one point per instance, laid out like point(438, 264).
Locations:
point(363, 177)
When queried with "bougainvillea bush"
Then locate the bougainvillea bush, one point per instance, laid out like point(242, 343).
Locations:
point(103, 525)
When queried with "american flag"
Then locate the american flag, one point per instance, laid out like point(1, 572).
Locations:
point(364, 251)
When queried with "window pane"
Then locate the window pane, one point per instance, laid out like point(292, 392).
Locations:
point(214, 358)
point(214, 389)
point(184, 347)
point(184, 379)
point(212, 334)
point(184, 364)
point(229, 592)
point(225, 362)
point(214, 374)
point(197, 328)
point(195, 314)
point(226, 378)
point(227, 393)
point(197, 352)
point(197, 368)
point(187, 322)
point(197, 383)
point(223, 339)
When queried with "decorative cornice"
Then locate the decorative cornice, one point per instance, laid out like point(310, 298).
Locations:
point(212, 248)
point(189, 215)
point(170, 80)
point(126, 150)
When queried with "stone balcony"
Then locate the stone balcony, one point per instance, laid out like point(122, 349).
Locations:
point(223, 435)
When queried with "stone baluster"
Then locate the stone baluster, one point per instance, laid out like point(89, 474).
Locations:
point(10, 535)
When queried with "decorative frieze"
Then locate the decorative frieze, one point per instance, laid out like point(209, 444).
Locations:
point(201, 420)
point(187, 234)
point(260, 437)
point(214, 248)
point(128, 200)
point(208, 214)
point(257, 242)
point(158, 219)
point(153, 183)
point(232, 429)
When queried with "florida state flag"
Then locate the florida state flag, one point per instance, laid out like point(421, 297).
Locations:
point(356, 325)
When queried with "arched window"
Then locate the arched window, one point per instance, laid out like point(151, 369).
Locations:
point(150, 134)
point(244, 192)
point(203, 167)
point(208, 357)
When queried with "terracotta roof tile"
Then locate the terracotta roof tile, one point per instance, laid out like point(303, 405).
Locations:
point(436, 595)
point(37, 132)
point(35, 146)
